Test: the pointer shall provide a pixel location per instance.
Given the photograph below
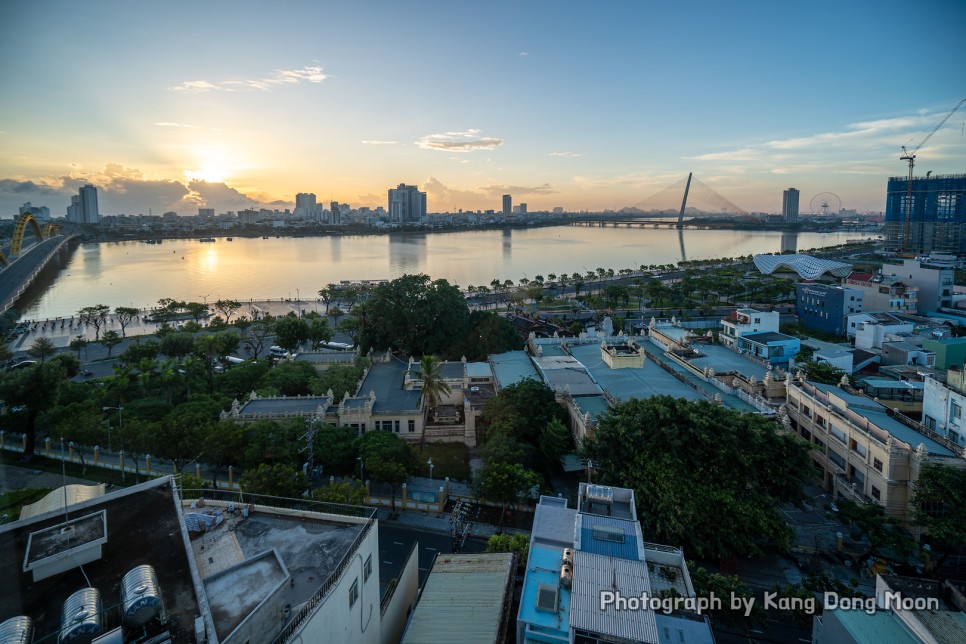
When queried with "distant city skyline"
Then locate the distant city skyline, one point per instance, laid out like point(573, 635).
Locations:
point(183, 106)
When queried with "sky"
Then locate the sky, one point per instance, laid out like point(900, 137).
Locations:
point(582, 105)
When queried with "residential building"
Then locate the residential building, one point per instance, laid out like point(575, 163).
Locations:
point(576, 554)
point(507, 205)
point(905, 610)
point(943, 405)
point(465, 598)
point(523, 208)
point(83, 206)
point(406, 204)
point(885, 293)
point(866, 452)
point(870, 329)
point(933, 220)
point(907, 351)
point(746, 322)
point(790, 206)
point(933, 279)
point(949, 351)
point(772, 347)
point(826, 307)
point(40, 213)
point(218, 569)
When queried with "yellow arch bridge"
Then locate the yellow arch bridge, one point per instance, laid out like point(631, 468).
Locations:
point(20, 228)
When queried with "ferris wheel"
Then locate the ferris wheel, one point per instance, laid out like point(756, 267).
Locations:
point(825, 204)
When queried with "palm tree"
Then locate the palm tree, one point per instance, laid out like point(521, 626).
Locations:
point(434, 387)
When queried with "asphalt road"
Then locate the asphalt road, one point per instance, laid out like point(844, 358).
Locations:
point(395, 544)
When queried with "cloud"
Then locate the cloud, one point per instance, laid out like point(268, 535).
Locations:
point(458, 142)
point(565, 154)
point(183, 125)
point(524, 53)
point(309, 73)
point(123, 190)
point(501, 189)
point(377, 142)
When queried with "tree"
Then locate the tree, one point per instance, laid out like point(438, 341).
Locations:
point(821, 372)
point(342, 379)
point(515, 542)
point(555, 440)
point(939, 507)
point(36, 388)
point(274, 480)
point(524, 409)
point(705, 476)
point(256, 337)
point(434, 387)
point(725, 587)
point(352, 327)
point(335, 449)
point(505, 483)
point(223, 444)
point(319, 331)
point(42, 348)
point(177, 345)
point(328, 294)
point(78, 343)
point(110, 340)
point(416, 315)
point(124, 315)
point(884, 535)
point(488, 333)
point(291, 332)
point(196, 310)
point(336, 313)
point(290, 378)
point(95, 316)
point(347, 492)
point(387, 459)
point(227, 308)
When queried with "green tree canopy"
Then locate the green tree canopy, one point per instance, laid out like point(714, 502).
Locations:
point(274, 480)
point(939, 502)
point(387, 458)
point(124, 315)
point(488, 333)
point(340, 378)
point(705, 476)
point(335, 450)
point(416, 315)
point(524, 409)
point(290, 332)
point(42, 348)
point(289, 378)
point(110, 340)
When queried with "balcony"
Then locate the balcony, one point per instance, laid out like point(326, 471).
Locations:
point(844, 488)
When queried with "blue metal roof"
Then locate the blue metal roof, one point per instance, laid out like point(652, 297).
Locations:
point(622, 550)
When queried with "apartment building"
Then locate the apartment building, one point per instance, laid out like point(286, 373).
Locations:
point(865, 452)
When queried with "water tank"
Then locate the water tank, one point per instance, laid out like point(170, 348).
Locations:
point(566, 575)
point(80, 622)
point(568, 556)
point(17, 630)
point(140, 595)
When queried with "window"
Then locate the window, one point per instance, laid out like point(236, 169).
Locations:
point(396, 426)
point(354, 593)
point(367, 570)
point(876, 493)
point(607, 533)
point(412, 426)
point(877, 464)
point(956, 410)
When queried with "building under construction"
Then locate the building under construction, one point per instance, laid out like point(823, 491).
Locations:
point(928, 218)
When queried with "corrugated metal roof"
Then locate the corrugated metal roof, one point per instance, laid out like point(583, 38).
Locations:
point(880, 626)
point(627, 548)
point(74, 493)
point(594, 574)
point(463, 600)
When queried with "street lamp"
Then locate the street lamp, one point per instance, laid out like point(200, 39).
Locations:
point(430, 463)
point(362, 469)
point(109, 448)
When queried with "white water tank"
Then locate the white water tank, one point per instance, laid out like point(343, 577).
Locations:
point(17, 630)
point(80, 621)
point(140, 595)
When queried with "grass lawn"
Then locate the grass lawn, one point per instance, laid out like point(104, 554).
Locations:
point(449, 459)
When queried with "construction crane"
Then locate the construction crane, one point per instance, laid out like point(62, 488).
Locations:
point(911, 158)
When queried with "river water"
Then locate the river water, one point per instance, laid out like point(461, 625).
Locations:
point(138, 274)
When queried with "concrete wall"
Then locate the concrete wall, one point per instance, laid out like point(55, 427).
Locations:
point(396, 613)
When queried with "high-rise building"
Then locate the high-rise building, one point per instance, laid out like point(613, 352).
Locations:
point(790, 206)
point(206, 212)
point(507, 205)
point(74, 214)
point(523, 208)
point(936, 208)
point(88, 197)
point(305, 205)
point(406, 204)
point(40, 213)
point(336, 216)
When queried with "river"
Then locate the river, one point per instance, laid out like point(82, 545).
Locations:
point(135, 273)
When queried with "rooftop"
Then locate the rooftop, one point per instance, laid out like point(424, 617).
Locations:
point(287, 405)
point(143, 527)
point(513, 366)
point(724, 360)
point(768, 336)
point(645, 382)
point(880, 626)
point(806, 266)
point(465, 595)
point(566, 373)
point(386, 380)
point(595, 573)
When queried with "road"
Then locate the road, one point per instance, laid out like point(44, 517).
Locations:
point(395, 544)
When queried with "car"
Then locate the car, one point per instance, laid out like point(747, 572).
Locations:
point(86, 372)
point(25, 364)
point(278, 351)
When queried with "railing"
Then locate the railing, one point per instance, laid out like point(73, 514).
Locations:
point(327, 586)
point(299, 505)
